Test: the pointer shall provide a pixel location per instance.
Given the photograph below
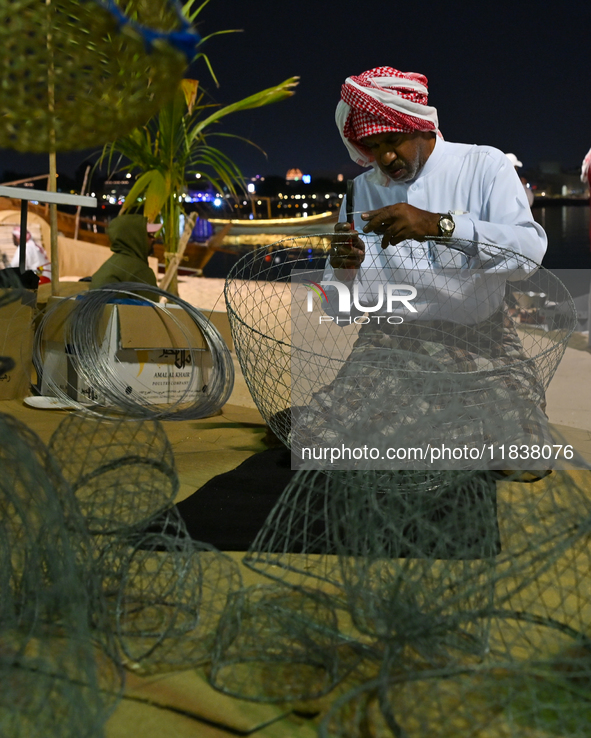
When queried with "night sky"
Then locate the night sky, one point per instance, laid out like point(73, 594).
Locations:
point(515, 75)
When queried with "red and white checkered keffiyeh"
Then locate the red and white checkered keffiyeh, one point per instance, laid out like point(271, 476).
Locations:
point(382, 100)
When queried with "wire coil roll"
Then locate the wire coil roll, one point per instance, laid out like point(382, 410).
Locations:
point(93, 366)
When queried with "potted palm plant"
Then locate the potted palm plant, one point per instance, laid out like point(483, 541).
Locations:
point(176, 145)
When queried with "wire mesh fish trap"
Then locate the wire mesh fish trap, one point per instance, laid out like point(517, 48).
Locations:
point(431, 570)
point(164, 592)
point(409, 559)
point(80, 74)
point(543, 693)
point(78, 352)
point(368, 515)
point(501, 702)
point(276, 644)
point(59, 669)
point(122, 471)
point(424, 319)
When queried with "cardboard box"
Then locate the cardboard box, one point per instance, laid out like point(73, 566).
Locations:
point(154, 356)
point(16, 341)
point(220, 320)
point(64, 289)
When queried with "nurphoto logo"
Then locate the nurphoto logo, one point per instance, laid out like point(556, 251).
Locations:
point(390, 297)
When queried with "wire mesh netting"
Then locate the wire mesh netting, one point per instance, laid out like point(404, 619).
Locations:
point(460, 597)
point(501, 702)
point(276, 644)
point(58, 663)
point(432, 329)
point(80, 74)
point(94, 574)
point(166, 594)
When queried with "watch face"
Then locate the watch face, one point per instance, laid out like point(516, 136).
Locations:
point(447, 225)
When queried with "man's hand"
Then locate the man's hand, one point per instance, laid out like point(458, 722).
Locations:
point(347, 252)
point(401, 221)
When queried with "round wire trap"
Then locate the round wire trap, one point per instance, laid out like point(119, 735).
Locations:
point(439, 337)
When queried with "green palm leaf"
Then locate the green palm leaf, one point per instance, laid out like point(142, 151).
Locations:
point(258, 100)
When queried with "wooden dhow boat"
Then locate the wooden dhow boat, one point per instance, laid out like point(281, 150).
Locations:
point(230, 236)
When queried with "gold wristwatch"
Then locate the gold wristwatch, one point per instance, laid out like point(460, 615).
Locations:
point(446, 225)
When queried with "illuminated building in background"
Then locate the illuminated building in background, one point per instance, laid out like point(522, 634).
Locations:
point(294, 175)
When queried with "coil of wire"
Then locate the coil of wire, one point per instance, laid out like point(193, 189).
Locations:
point(96, 369)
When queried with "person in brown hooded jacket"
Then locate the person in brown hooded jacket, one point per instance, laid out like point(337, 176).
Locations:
point(131, 243)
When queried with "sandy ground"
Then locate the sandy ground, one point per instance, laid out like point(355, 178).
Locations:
point(204, 293)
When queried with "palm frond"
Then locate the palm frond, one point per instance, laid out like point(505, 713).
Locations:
point(259, 99)
point(189, 14)
point(152, 186)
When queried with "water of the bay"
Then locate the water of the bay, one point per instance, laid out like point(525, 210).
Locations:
point(567, 227)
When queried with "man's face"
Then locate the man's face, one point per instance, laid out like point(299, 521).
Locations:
point(400, 156)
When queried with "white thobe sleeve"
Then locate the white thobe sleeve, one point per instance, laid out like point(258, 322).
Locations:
point(506, 222)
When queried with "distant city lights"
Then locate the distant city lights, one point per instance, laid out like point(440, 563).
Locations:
point(200, 197)
point(289, 202)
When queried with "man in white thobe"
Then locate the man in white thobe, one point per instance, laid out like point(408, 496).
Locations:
point(421, 187)
point(454, 221)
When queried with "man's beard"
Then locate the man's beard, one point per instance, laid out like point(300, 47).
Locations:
point(411, 166)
